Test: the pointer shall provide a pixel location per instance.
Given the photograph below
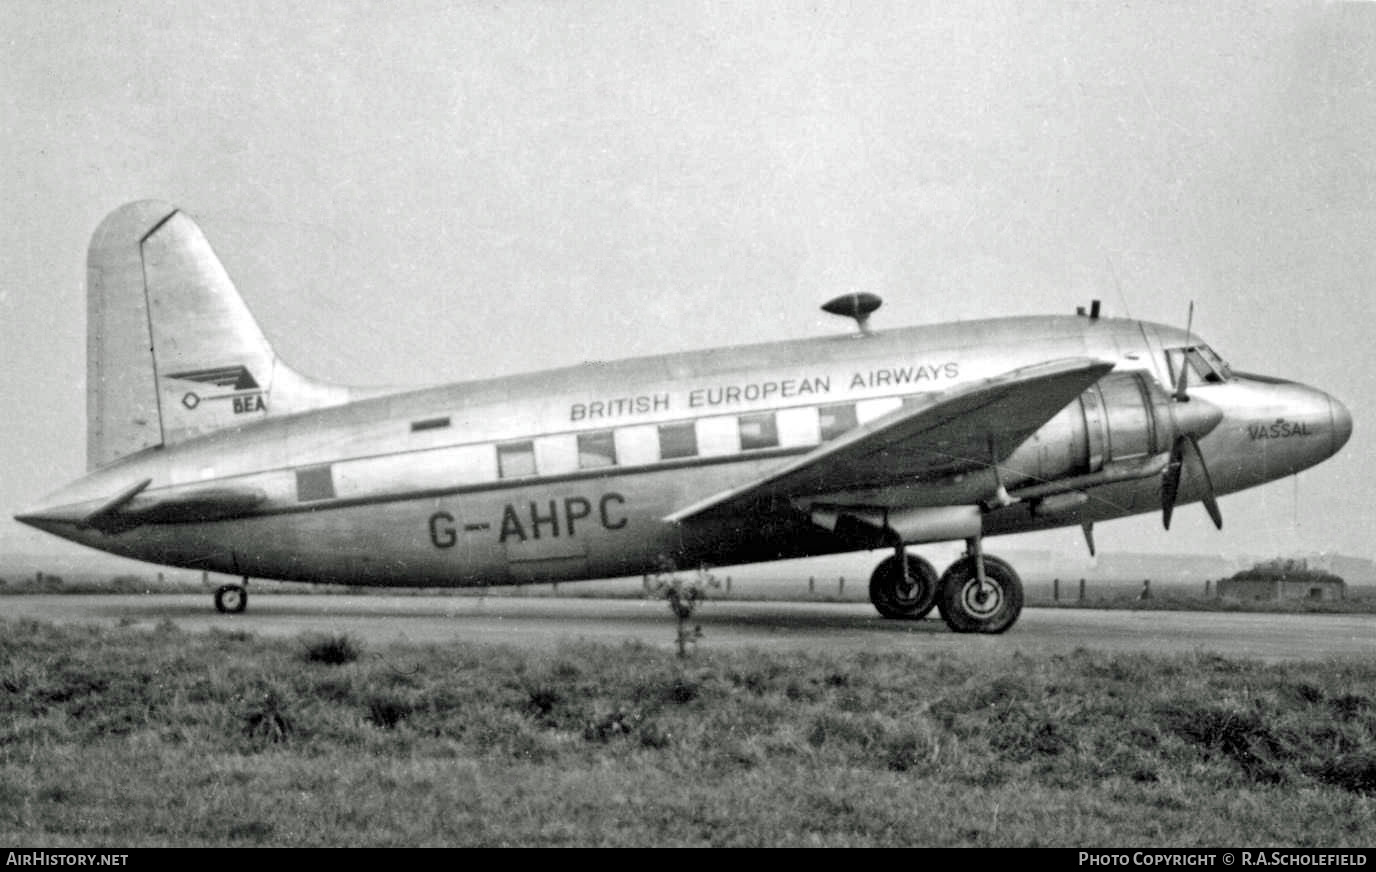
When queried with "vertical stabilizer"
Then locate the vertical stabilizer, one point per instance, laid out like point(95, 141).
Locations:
point(172, 351)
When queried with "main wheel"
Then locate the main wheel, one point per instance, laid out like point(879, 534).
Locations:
point(904, 595)
point(231, 598)
point(967, 608)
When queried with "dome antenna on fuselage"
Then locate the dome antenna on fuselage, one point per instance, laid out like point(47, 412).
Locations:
point(858, 305)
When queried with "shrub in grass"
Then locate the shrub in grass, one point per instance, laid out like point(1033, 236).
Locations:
point(256, 832)
point(653, 735)
point(611, 726)
point(332, 650)
point(542, 701)
point(683, 596)
point(682, 690)
point(1354, 772)
point(1349, 706)
point(1239, 736)
point(387, 711)
point(267, 721)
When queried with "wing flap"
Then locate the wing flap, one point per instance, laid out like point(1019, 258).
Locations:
point(968, 428)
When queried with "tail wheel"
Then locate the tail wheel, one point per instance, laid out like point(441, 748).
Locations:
point(231, 599)
point(969, 608)
point(903, 595)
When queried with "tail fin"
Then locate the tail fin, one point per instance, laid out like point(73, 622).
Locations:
point(172, 351)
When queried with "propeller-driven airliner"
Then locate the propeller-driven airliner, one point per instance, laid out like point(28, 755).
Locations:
point(205, 450)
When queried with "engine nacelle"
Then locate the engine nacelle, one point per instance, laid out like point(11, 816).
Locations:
point(1125, 416)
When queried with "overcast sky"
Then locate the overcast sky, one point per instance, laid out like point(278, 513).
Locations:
point(417, 192)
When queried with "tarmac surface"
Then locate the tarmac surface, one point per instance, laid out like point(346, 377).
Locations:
point(546, 622)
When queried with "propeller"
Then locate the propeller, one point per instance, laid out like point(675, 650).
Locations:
point(1191, 422)
point(1186, 450)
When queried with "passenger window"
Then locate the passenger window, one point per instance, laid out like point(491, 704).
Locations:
point(516, 459)
point(429, 424)
point(678, 440)
point(596, 450)
point(837, 420)
point(314, 483)
point(758, 431)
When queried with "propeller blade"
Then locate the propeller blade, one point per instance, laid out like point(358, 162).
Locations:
point(1170, 482)
point(1210, 501)
point(1186, 450)
point(1180, 393)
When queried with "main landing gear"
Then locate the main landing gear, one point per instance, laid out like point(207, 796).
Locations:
point(904, 587)
point(232, 598)
point(976, 594)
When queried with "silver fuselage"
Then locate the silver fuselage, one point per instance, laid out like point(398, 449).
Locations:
point(437, 487)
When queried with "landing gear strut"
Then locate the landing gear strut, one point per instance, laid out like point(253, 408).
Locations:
point(980, 593)
point(232, 598)
point(904, 595)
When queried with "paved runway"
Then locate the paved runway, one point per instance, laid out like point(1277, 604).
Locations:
point(545, 622)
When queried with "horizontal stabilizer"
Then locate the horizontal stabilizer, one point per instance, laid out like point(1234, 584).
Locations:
point(206, 504)
point(132, 508)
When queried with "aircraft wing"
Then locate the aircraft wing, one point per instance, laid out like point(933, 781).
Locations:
point(967, 428)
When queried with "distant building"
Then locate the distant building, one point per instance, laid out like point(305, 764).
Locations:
point(1283, 578)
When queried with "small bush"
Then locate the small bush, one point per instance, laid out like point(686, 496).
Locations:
point(387, 711)
point(618, 723)
point(654, 736)
point(1239, 736)
point(1354, 772)
point(905, 754)
point(256, 832)
point(682, 690)
point(542, 701)
point(332, 650)
point(267, 721)
point(1349, 705)
point(1308, 693)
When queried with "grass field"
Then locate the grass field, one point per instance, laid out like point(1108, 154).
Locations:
point(121, 737)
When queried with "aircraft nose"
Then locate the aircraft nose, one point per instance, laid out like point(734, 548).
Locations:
point(1342, 423)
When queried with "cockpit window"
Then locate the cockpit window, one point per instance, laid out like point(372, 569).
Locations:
point(1202, 365)
point(1220, 366)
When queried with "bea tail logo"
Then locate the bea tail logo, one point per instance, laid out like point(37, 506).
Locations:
point(244, 392)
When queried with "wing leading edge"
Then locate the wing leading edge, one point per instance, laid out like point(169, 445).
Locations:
point(967, 428)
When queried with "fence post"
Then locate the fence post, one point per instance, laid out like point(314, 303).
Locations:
point(1055, 590)
point(811, 584)
point(1082, 590)
point(841, 586)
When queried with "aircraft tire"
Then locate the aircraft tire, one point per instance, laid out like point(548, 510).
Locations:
point(231, 599)
point(966, 610)
point(902, 598)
